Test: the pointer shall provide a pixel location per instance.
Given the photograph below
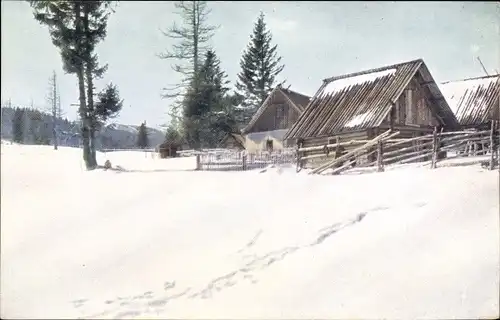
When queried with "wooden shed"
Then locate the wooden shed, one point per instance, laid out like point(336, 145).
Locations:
point(474, 101)
point(168, 149)
point(271, 121)
point(361, 105)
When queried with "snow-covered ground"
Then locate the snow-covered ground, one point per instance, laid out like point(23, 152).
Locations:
point(163, 241)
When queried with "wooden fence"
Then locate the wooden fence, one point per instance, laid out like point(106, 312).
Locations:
point(241, 161)
point(387, 149)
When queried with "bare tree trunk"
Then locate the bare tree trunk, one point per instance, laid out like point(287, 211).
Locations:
point(92, 120)
point(90, 91)
point(84, 115)
point(85, 121)
point(54, 111)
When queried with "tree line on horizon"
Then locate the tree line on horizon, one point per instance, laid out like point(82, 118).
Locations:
point(29, 125)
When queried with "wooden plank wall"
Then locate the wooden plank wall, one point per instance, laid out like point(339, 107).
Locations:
point(267, 121)
point(414, 107)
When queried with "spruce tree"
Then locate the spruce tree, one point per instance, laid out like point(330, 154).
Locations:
point(192, 36)
point(75, 28)
point(204, 102)
point(64, 21)
point(260, 64)
point(142, 137)
point(213, 83)
point(18, 126)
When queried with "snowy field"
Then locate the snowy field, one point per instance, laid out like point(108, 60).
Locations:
point(161, 240)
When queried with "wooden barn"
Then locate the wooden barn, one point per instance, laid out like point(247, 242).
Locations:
point(234, 141)
point(474, 101)
point(272, 120)
point(362, 105)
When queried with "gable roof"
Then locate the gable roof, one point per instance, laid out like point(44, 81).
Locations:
point(362, 100)
point(240, 140)
point(475, 100)
point(297, 100)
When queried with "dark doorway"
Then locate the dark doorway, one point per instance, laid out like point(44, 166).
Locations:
point(269, 145)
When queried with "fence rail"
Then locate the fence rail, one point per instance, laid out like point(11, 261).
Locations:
point(127, 149)
point(387, 149)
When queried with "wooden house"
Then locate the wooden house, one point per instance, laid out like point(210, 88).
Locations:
point(474, 101)
point(232, 141)
point(361, 105)
point(272, 120)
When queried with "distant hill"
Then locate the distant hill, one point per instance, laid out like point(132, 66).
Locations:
point(112, 136)
point(121, 136)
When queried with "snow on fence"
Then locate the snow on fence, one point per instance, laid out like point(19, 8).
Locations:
point(387, 149)
point(127, 149)
point(148, 153)
point(227, 160)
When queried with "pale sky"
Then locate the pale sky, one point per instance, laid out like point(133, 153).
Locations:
point(317, 40)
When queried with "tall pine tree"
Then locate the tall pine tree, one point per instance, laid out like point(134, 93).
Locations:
point(75, 28)
point(192, 36)
point(64, 21)
point(206, 102)
point(95, 21)
point(260, 64)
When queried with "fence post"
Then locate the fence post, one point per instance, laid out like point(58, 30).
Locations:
point(244, 162)
point(492, 132)
point(380, 157)
point(337, 148)
point(299, 166)
point(434, 148)
point(198, 162)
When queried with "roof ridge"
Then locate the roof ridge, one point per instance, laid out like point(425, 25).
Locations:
point(359, 73)
point(472, 78)
point(285, 90)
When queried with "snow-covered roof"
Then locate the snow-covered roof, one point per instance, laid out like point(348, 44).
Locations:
point(341, 84)
point(362, 100)
point(473, 100)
